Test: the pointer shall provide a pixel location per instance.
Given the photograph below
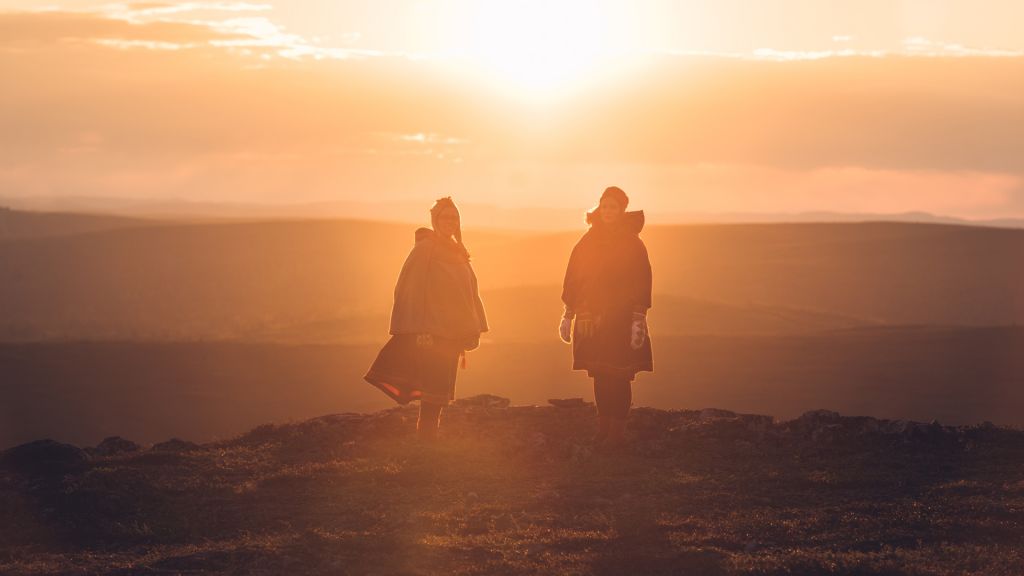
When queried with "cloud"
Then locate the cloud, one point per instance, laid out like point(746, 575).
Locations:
point(38, 29)
point(103, 104)
point(260, 32)
point(788, 55)
point(919, 46)
point(154, 26)
point(149, 9)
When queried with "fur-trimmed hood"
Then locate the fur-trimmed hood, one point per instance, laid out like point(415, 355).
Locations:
point(632, 222)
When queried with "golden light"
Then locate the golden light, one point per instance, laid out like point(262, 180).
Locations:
point(540, 47)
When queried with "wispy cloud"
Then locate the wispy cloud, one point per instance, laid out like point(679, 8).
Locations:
point(262, 33)
point(37, 29)
point(142, 9)
point(787, 55)
point(122, 44)
point(245, 35)
point(919, 46)
point(427, 138)
point(159, 26)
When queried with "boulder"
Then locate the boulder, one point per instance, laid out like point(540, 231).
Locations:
point(569, 403)
point(43, 457)
point(482, 401)
point(176, 445)
point(715, 413)
point(115, 445)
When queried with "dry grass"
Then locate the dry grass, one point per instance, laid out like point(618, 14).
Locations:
point(512, 491)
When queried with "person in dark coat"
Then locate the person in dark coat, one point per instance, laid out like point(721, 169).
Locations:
point(607, 293)
point(437, 316)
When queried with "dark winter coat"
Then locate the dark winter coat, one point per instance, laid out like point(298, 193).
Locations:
point(607, 280)
point(436, 294)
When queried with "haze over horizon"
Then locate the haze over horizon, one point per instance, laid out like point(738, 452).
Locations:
point(693, 108)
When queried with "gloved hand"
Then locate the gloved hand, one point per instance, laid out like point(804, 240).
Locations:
point(424, 340)
point(565, 327)
point(565, 330)
point(639, 331)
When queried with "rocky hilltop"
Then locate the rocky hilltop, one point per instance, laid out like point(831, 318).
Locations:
point(519, 489)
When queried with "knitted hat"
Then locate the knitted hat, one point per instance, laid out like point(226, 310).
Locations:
point(435, 211)
point(439, 206)
point(616, 193)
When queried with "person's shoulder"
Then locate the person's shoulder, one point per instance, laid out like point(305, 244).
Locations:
point(424, 235)
point(586, 238)
point(424, 245)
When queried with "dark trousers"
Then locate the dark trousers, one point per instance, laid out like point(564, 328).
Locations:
point(614, 395)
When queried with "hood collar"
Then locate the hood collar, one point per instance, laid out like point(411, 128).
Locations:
point(632, 222)
point(423, 234)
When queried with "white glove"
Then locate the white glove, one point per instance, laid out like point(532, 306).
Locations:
point(639, 331)
point(565, 330)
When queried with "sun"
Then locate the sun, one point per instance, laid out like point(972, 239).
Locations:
point(540, 47)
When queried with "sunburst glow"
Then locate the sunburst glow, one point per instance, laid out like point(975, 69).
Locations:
point(541, 47)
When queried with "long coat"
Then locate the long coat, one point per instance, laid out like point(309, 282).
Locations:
point(436, 294)
point(607, 280)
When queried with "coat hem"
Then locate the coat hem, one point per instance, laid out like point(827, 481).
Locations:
point(403, 391)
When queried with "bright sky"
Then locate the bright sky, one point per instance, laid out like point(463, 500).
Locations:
point(723, 106)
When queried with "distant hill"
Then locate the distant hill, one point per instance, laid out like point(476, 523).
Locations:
point(531, 218)
point(18, 224)
point(189, 281)
point(524, 313)
point(237, 280)
point(82, 392)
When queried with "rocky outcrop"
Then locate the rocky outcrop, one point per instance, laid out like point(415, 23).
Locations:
point(115, 445)
point(43, 457)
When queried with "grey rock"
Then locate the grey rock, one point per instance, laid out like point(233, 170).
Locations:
point(115, 445)
point(176, 445)
point(43, 457)
point(569, 403)
point(482, 401)
point(715, 413)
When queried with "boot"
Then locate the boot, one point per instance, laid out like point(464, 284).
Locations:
point(602, 431)
point(615, 441)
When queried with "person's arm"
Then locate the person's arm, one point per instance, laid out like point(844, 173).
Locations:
point(572, 284)
point(571, 293)
point(642, 297)
point(481, 313)
point(643, 282)
point(409, 314)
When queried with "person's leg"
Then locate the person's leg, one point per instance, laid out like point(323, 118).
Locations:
point(619, 398)
point(430, 419)
point(438, 366)
point(602, 400)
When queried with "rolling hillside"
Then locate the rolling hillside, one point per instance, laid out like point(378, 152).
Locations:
point(83, 392)
point(17, 224)
point(240, 280)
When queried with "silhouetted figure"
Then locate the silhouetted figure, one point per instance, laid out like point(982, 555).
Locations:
point(437, 316)
point(607, 290)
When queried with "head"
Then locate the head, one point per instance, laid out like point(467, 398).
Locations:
point(613, 205)
point(447, 223)
point(444, 218)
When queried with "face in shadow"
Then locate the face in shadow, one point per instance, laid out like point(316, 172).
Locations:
point(447, 222)
point(610, 210)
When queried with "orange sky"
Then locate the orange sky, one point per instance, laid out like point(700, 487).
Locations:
point(730, 106)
